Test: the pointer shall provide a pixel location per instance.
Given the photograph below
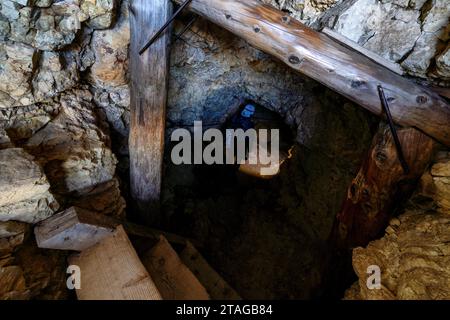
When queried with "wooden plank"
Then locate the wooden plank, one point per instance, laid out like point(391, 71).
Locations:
point(147, 232)
point(148, 91)
point(369, 54)
point(329, 62)
point(73, 229)
point(172, 278)
point(216, 286)
point(444, 92)
point(78, 229)
point(112, 270)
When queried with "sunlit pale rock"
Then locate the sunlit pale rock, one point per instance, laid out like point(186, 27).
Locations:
point(24, 195)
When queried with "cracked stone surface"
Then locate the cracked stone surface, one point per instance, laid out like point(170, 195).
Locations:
point(411, 33)
point(24, 195)
point(413, 256)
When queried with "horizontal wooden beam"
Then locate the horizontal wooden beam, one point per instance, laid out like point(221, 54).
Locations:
point(369, 54)
point(316, 55)
point(78, 229)
point(73, 229)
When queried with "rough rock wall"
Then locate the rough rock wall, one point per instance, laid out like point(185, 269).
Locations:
point(55, 146)
point(411, 33)
point(414, 255)
point(212, 73)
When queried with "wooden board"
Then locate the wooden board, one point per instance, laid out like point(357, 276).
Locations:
point(73, 229)
point(217, 287)
point(329, 62)
point(111, 270)
point(148, 91)
point(78, 229)
point(172, 278)
point(369, 54)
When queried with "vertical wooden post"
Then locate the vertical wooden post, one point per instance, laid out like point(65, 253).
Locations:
point(149, 82)
point(381, 186)
point(374, 196)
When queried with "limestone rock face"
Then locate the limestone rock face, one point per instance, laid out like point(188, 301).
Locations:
point(414, 258)
point(212, 72)
point(110, 48)
point(12, 234)
point(12, 284)
point(108, 75)
point(306, 11)
point(29, 76)
point(11, 228)
point(57, 73)
point(17, 64)
point(12, 281)
point(24, 195)
point(436, 183)
point(52, 25)
point(44, 271)
point(405, 32)
point(72, 146)
point(75, 153)
point(443, 64)
point(381, 27)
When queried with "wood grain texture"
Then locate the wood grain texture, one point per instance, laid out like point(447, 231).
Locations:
point(216, 286)
point(148, 91)
point(369, 54)
point(172, 278)
point(112, 270)
point(73, 229)
point(329, 62)
point(78, 229)
point(381, 186)
point(374, 196)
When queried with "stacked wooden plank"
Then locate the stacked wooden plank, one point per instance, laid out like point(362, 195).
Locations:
point(110, 268)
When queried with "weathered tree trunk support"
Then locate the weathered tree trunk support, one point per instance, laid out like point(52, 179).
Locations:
point(334, 65)
point(381, 186)
point(373, 197)
point(149, 83)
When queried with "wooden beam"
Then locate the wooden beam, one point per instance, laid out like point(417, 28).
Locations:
point(145, 232)
point(78, 229)
point(329, 62)
point(216, 286)
point(172, 278)
point(369, 54)
point(381, 186)
point(148, 91)
point(112, 270)
point(73, 229)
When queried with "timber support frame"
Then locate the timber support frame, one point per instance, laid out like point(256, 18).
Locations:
point(149, 85)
